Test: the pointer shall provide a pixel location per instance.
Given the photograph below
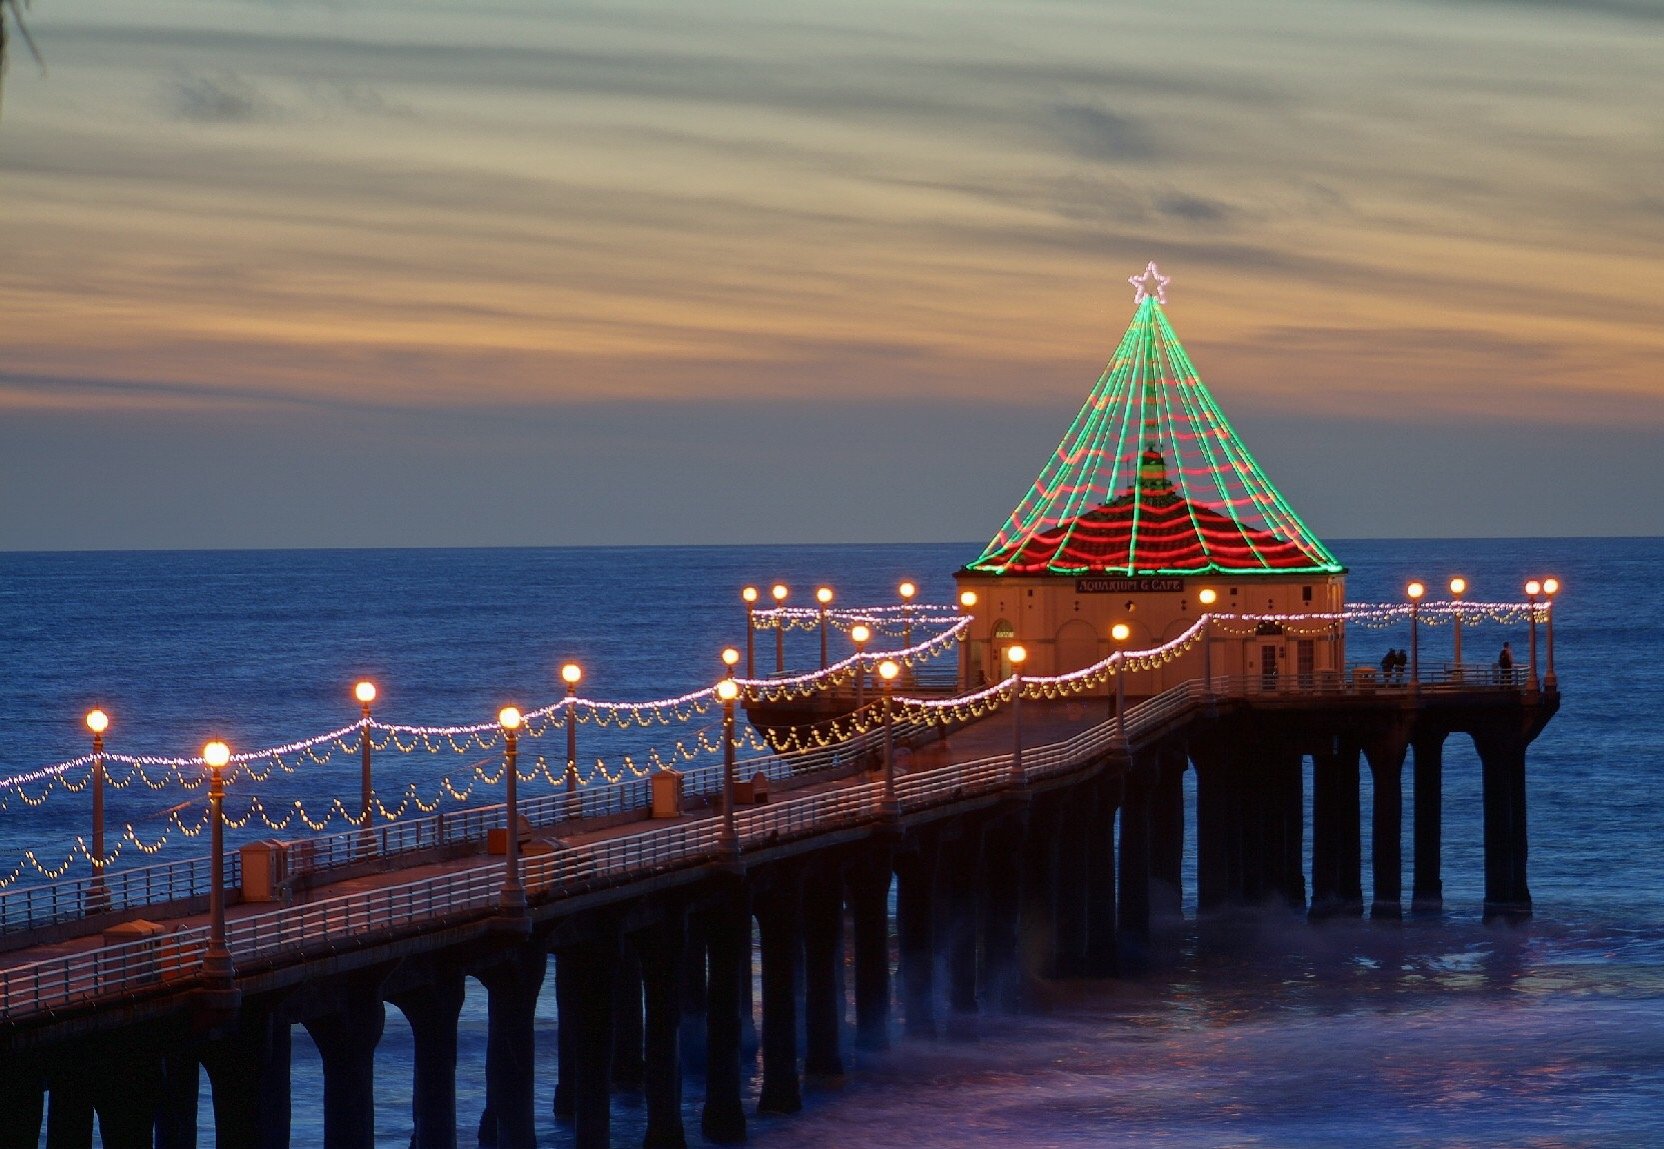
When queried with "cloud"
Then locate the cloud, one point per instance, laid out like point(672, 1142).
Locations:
point(217, 98)
point(359, 99)
point(1646, 11)
point(1097, 134)
point(1192, 208)
point(1428, 374)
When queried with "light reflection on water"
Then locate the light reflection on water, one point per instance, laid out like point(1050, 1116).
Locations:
point(1367, 1037)
point(1452, 1036)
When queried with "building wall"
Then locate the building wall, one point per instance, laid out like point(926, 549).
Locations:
point(1064, 623)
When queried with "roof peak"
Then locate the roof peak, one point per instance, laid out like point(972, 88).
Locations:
point(1152, 477)
point(1149, 284)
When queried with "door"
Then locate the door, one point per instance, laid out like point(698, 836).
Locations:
point(1268, 666)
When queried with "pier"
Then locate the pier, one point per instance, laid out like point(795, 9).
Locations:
point(1036, 840)
point(1007, 770)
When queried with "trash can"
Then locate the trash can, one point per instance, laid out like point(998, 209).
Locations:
point(265, 868)
point(496, 838)
point(666, 787)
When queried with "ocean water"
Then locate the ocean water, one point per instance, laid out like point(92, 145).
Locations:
point(1444, 1033)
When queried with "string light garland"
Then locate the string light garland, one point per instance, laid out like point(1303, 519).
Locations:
point(699, 749)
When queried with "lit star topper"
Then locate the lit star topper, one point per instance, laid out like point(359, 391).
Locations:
point(1150, 282)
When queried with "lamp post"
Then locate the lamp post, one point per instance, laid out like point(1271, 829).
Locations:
point(513, 896)
point(887, 671)
point(1415, 590)
point(1458, 587)
point(749, 594)
point(1551, 587)
point(1017, 655)
point(779, 591)
point(571, 674)
point(967, 603)
point(859, 634)
point(216, 963)
point(365, 692)
point(1207, 596)
point(1533, 588)
point(728, 838)
point(823, 596)
point(1119, 633)
point(907, 590)
point(98, 896)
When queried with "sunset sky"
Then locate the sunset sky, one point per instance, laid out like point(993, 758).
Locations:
point(524, 272)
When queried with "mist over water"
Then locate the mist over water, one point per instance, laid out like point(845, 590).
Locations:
point(1276, 1033)
point(1341, 1035)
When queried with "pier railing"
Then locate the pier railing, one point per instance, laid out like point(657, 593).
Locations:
point(260, 938)
point(293, 932)
point(27, 908)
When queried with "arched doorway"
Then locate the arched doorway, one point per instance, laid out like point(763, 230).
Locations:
point(1004, 632)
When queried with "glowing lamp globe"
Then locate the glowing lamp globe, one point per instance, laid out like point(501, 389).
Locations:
point(823, 595)
point(1208, 596)
point(97, 721)
point(1533, 588)
point(1551, 585)
point(860, 634)
point(1458, 586)
point(730, 656)
point(1017, 654)
point(571, 674)
point(1415, 590)
point(365, 692)
point(749, 594)
point(216, 754)
point(780, 592)
point(509, 718)
point(888, 669)
point(727, 690)
point(1120, 632)
point(907, 590)
point(967, 599)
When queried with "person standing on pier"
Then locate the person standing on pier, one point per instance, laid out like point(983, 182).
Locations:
point(1505, 665)
point(1388, 661)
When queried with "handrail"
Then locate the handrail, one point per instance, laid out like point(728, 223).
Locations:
point(32, 907)
point(24, 908)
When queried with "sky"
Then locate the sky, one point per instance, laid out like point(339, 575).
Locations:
point(528, 273)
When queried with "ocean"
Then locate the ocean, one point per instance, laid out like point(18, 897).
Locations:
point(1426, 1033)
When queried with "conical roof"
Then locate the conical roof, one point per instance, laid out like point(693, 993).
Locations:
point(1152, 479)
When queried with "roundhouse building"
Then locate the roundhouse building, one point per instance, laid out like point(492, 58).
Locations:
point(1150, 509)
